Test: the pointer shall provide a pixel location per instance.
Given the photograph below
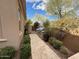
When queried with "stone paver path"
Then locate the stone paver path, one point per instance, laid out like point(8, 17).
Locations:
point(76, 56)
point(40, 50)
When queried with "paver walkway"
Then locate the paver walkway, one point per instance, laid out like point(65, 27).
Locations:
point(40, 50)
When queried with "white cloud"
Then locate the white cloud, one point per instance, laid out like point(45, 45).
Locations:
point(34, 5)
point(41, 6)
point(45, 1)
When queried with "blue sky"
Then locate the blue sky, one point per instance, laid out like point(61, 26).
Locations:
point(37, 7)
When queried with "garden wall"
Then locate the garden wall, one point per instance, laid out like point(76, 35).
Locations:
point(71, 40)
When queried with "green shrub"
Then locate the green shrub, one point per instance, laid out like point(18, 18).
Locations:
point(64, 50)
point(25, 51)
point(26, 39)
point(46, 34)
point(45, 37)
point(7, 53)
point(26, 32)
point(51, 40)
point(57, 44)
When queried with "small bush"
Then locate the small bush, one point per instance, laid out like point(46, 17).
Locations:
point(64, 50)
point(46, 35)
point(25, 51)
point(7, 51)
point(57, 44)
point(26, 39)
point(51, 40)
point(26, 32)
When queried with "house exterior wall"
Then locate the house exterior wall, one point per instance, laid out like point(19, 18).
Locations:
point(10, 23)
point(0, 29)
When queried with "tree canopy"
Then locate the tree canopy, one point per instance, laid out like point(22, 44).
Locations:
point(65, 23)
point(46, 24)
point(39, 17)
point(61, 7)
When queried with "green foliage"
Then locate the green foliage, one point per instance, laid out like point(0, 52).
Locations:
point(27, 25)
point(55, 7)
point(7, 53)
point(64, 50)
point(46, 24)
point(51, 40)
point(65, 23)
point(29, 22)
point(57, 44)
point(26, 32)
point(26, 39)
point(39, 17)
point(25, 51)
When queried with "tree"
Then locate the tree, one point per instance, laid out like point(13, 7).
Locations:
point(39, 17)
point(65, 23)
point(60, 7)
point(46, 24)
point(28, 24)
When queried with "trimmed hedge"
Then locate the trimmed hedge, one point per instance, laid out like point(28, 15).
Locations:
point(7, 53)
point(25, 51)
point(26, 39)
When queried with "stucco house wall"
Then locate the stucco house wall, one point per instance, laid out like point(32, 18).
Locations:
point(10, 24)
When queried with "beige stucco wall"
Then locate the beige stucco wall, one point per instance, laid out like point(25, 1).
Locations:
point(10, 23)
point(0, 29)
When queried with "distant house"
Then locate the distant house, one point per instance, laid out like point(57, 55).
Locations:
point(12, 19)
